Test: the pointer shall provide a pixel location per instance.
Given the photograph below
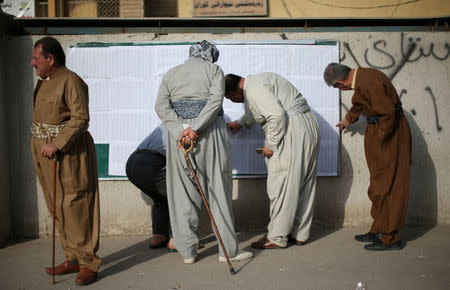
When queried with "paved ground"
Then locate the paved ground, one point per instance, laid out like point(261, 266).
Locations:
point(332, 260)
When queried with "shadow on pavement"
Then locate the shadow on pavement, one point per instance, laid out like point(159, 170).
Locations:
point(128, 257)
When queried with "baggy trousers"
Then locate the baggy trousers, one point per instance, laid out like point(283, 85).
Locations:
point(210, 158)
point(291, 180)
point(77, 197)
point(389, 167)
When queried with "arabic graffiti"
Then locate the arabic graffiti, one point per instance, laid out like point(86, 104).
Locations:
point(403, 91)
point(428, 89)
point(375, 46)
point(411, 48)
point(379, 47)
point(377, 56)
point(421, 50)
point(347, 46)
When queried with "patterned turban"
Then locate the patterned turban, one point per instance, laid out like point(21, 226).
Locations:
point(204, 50)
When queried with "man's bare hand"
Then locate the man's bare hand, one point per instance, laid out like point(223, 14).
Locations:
point(267, 152)
point(343, 124)
point(234, 126)
point(48, 150)
point(186, 137)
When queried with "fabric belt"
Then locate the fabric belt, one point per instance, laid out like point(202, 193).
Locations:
point(190, 108)
point(372, 120)
point(298, 106)
point(44, 130)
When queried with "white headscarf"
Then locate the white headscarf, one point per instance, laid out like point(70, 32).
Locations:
point(204, 50)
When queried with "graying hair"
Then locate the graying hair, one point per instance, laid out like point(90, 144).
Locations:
point(335, 72)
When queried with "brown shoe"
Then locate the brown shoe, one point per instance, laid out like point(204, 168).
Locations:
point(158, 241)
point(65, 268)
point(295, 241)
point(86, 276)
point(264, 243)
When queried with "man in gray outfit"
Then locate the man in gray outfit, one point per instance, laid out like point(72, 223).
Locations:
point(189, 103)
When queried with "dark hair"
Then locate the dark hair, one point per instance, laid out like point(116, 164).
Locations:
point(335, 72)
point(231, 83)
point(52, 46)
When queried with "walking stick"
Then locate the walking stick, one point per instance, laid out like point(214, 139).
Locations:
point(54, 214)
point(186, 151)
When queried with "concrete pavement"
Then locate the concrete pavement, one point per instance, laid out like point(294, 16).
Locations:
point(332, 260)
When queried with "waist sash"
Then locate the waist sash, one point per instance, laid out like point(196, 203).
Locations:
point(372, 120)
point(298, 106)
point(190, 108)
point(44, 130)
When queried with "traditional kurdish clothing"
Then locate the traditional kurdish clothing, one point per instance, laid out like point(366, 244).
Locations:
point(192, 94)
point(61, 116)
point(292, 133)
point(387, 144)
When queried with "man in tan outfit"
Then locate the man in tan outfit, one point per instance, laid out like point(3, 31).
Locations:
point(291, 149)
point(387, 144)
point(59, 130)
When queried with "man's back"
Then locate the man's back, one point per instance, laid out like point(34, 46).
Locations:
point(191, 79)
point(273, 83)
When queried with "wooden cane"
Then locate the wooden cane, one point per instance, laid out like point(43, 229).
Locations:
point(54, 214)
point(186, 151)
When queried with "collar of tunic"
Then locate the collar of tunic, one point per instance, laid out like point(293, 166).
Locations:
point(54, 73)
point(354, 78)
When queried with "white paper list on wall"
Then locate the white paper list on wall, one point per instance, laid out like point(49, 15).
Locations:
point(124, 80)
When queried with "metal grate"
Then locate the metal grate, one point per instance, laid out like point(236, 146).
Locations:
point(105, 8)
point(108, 8)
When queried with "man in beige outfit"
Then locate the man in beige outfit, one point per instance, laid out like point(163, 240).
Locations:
point(59, 130)
point(291, 148)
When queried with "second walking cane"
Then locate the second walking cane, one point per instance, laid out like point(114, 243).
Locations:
point(54, 215)
point(194, 175)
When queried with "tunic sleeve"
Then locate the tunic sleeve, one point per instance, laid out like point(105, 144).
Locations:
point(354, 112)
point(247, 119)
point(242, 121)
point(214, 103)
point(264, 106)
point(166, 113)
point(76, 99)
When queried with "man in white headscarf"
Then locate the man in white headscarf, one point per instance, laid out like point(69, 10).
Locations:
point(189, 103)
point(291, 149)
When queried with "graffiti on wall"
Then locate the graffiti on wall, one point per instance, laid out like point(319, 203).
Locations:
point(411, 50)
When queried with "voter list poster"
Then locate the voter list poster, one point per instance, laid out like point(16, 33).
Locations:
point(124, 79)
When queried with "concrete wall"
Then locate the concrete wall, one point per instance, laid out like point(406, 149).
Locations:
point(422, 80)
